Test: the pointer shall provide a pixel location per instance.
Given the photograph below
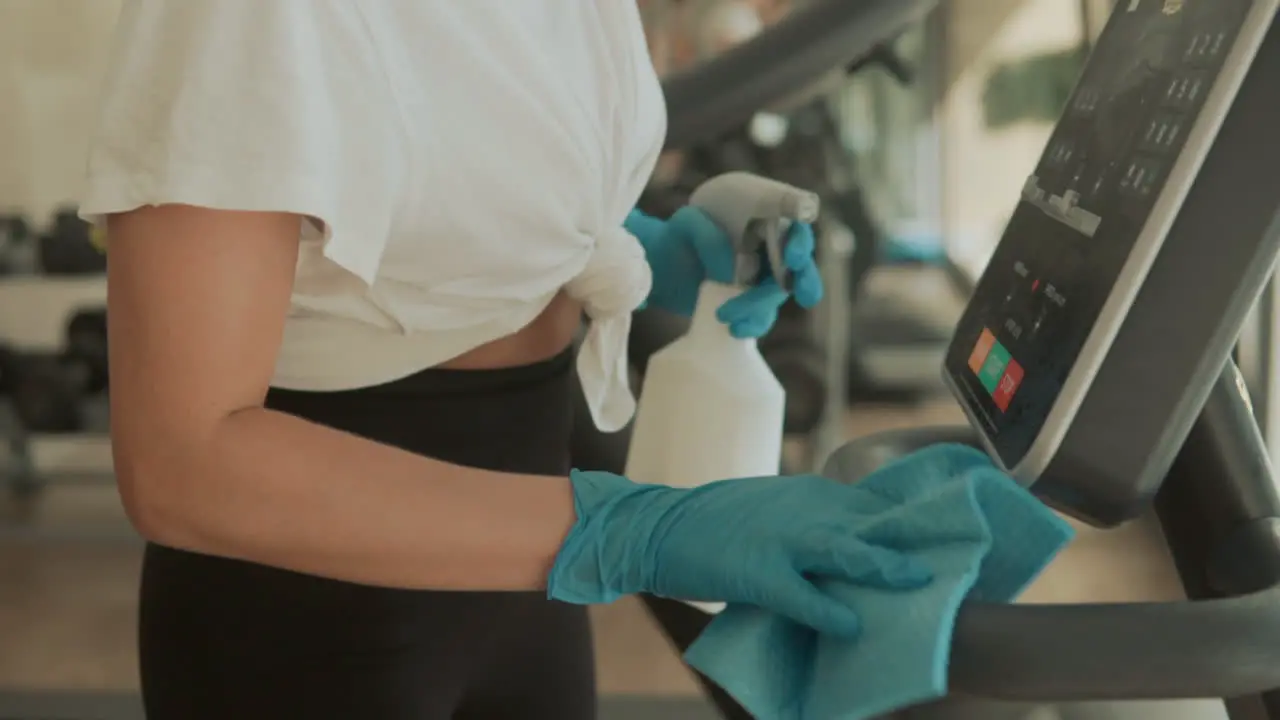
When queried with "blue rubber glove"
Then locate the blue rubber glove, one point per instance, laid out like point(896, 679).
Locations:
point(768, 542)
point(690, 248)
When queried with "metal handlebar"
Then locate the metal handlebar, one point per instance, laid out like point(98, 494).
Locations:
point(715, 96)
point(1208, 648)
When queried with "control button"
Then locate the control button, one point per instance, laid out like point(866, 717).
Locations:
point(1008, 386)
point(1013, 327)
point(1219, 45)
point(1095, 190)
point(1142, 177)
point(1053, 295)
point(1086, 102)
point(1184, 91)
point(1206, 47)
point(993, 369)
point(1061, 152)
point(1031, 190)
point(1035, 325)
point(1065, 202)
point(1163, 133)
point(1130, 173)
point(1148, 179)
point(979, 355)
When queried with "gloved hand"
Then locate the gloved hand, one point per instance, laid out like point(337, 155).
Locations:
point(690, 248)
point(770, 542)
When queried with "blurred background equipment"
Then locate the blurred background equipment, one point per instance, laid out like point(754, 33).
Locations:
point(17, 246)
point(44, 391)
point(67, 248)
point(86, 349)
point(53, 406)
point(53, 358)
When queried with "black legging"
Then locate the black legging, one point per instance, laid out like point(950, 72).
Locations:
point(222, 639)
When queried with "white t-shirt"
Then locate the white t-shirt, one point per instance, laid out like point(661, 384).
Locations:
point(466, 160)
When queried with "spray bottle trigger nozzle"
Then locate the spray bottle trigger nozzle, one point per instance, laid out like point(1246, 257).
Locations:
point(763, 249)
point(758, 214)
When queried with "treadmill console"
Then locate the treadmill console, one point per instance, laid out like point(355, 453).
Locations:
point(1094, 218)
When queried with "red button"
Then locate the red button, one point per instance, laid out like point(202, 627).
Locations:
point(1008, 385)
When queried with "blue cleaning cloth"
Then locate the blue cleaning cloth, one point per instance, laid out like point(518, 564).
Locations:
point(984, 537)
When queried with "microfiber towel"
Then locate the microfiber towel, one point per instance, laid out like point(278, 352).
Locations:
point(984, 537)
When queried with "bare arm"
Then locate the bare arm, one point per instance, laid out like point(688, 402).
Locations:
point(197, 301)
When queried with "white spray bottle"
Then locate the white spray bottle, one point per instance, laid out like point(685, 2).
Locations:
point(711, 408)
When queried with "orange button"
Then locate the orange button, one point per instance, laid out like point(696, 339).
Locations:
point(981, 350)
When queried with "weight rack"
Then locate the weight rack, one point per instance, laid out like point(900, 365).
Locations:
point(32, 463)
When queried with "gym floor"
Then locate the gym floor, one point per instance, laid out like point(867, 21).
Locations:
point(67, 606)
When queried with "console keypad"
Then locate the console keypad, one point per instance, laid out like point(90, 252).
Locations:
point(1111, 155)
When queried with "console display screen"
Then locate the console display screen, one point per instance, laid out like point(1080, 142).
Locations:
point(1082, 209)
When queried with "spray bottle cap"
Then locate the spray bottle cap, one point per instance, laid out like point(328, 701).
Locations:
point(757, 214)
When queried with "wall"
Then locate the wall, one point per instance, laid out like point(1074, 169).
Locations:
point(51, 52)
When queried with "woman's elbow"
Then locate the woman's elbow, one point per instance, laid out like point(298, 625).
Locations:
point(154, 491)
point(152, 515)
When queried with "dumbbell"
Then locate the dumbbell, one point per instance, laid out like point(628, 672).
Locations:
point(6, 369)
point(68, 249)
point(17, 247)
point(85, 350)
point(44, 394)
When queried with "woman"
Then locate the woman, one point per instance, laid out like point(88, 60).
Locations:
point(351, 242)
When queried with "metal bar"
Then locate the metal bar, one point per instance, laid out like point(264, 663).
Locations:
point(1139, 651)
point(1268, 394)
point(1219, 488)
point(817, 38)
point(834, 260)
point(1132, 651)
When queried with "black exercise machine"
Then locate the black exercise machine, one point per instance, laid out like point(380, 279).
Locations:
point(1093, 363)
point(18, 247)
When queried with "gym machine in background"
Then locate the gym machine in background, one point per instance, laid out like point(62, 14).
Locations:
point(53, 335)
point(65, 249)
point(906, 291)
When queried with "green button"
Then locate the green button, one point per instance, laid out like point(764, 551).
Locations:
point(993, 368)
